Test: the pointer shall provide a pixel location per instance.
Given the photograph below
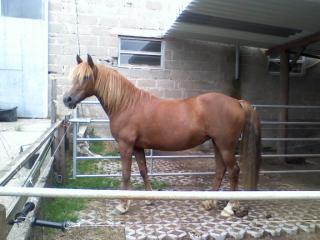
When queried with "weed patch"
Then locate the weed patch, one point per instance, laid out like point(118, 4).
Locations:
point(99, 147)
point(62, 209)
point(66, 209)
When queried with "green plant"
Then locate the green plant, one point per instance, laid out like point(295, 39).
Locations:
point(62, 209)
point(88, 166)
point(93, 183)
point(99, 147)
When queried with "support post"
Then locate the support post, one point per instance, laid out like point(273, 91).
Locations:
point(283, 100)
point(3, 223)
point(236, 84)
point(60, 158)
point(74, 145)
point(237, 65)
point(53, 112)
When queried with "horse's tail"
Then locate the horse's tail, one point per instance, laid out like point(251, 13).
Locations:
point(250, 148)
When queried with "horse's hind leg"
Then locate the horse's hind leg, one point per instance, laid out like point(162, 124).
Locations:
point(232, 168)
point(126, 162)
point(220, 170)
point(233, 171)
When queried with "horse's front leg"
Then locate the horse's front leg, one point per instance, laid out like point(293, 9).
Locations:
point(142, 164)
point(126, 151)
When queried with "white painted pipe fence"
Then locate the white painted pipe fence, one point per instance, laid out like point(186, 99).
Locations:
point(157, 195)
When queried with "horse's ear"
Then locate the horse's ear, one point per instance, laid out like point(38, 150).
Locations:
point(79, 60)
point(90, 61)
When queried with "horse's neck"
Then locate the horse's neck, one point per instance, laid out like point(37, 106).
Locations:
point(137, 96)
point(104, 106)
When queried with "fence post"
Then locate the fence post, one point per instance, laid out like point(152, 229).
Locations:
point(60, 156)
point(284, 99)
point(53, 105)
point(3, 223)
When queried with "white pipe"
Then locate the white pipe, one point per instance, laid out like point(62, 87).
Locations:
point(237, 65)
point(165, 195)
point(162, 174)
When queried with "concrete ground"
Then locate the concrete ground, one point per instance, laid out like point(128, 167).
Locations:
point(177, 220)
point(13, 135)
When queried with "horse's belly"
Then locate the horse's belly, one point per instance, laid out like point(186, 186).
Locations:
point(171, 142)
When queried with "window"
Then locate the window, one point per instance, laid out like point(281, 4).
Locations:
point(296, 69)
point(140, 52)
point(22, 8)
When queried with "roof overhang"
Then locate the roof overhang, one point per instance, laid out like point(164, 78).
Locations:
point(291, 25)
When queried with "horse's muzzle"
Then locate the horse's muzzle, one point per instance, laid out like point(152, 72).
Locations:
point(69, 102)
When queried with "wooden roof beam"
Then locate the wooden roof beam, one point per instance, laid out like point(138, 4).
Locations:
point(295, 44)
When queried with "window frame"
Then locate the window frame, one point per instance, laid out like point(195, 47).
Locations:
point(161, 53)
point(301, 61)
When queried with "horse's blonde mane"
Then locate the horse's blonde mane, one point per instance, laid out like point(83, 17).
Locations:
point(115, 90)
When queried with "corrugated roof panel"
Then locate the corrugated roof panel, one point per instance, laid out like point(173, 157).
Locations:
point(267, 12)
point(249, 22)
point(213, 21)
point(203, 32)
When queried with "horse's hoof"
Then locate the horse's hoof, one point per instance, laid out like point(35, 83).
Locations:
point(227, 211)
point(149, 202)
point(121, 209)
point(209, 204)
point(117, 212)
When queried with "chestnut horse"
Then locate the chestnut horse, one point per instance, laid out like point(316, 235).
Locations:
point(140, 120)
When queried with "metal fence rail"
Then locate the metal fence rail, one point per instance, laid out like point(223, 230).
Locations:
point(36, 175)
point(157, 195)
point(76, 121)
point(23, 158)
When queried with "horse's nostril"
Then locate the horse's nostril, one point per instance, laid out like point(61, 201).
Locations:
point(67, 100)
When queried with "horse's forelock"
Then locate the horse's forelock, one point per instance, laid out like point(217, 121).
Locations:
point(81, 73)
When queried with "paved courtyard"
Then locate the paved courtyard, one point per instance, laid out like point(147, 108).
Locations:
point(13, 136)
point(188, 220)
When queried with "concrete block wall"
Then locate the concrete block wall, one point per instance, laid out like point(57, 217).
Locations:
point(190, 67)
point(261, 87)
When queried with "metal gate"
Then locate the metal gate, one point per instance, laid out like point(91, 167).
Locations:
point(77, 121)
